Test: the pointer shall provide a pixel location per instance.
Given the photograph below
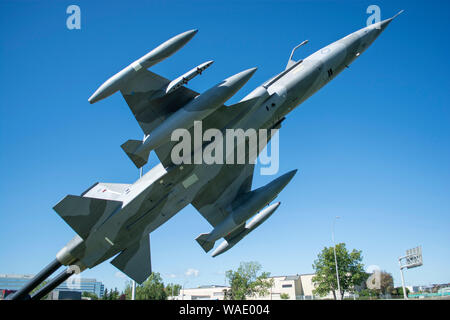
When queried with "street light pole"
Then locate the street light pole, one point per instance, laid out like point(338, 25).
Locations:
point(133, 285)
point(182, 297)
point(405, 296)
point(335, 257)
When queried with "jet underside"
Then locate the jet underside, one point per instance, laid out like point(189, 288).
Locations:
point(113, 219)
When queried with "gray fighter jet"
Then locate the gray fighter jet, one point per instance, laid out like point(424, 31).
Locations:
point(115, 220)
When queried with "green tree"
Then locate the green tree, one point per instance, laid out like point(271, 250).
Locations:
point(284, 296)
point(150, 289)
point(386, 282)
point(105, 294)
point(399, 291)
point(350, 267)
point(370, 293)
point(114, 295)
point(173, 289)
point(247, 281)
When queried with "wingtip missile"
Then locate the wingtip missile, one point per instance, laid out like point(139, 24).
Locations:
point(161, 52)
point(257, 220)
point(185, 78)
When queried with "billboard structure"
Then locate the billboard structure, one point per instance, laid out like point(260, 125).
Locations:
point(412, 259)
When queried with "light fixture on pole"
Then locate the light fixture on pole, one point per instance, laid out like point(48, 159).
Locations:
point(412, 259)
point(335, 257)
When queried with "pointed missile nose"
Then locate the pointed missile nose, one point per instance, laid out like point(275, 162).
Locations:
point(94, 98)
point(188, 35)
point(238, 80)
point(99, 94)
point(220, 249)
point(247, 74)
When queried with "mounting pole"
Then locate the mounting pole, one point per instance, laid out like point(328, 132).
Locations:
point(133, 285)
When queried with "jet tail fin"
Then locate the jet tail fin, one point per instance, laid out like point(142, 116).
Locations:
point(135, 261)
point(204, 243)
point(83, 213)
point(130, 147)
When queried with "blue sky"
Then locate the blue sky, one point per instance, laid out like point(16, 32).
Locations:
point(372, 146)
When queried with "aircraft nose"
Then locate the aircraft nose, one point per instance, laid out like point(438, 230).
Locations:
point(385, 23)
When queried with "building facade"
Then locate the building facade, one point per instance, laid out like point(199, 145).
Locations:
point(16, 281)
point(296, 287)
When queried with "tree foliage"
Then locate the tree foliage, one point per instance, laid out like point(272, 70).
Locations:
point(173, 289)
point(399, 291)
point(386, 282)
point(350, 267)
point(247, 281)
point(150, 289)
point(111, 294)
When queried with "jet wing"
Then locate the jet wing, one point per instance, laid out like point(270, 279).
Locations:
point(135, 260)
point(146, 96)
point(214, 200)
point(150, 105)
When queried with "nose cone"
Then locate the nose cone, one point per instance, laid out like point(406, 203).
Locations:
point(95, 97)
point(385, 23)
point(224, 246)
point(98, 95)
point(189, 34)
point(181, 39)
point(239, 79)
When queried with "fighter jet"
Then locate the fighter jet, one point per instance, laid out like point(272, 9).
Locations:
point(115, 220)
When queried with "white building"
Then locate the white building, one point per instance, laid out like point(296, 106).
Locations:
point(202, 293)
point(297, 287)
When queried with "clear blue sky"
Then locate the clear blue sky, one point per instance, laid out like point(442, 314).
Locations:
point(372, 146)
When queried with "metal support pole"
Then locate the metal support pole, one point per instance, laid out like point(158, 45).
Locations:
point(405, 296)
point(36, 280)
point(182, 297)
point(133, 290)
point(133, 284)
point(63, 276)
point(335, 260)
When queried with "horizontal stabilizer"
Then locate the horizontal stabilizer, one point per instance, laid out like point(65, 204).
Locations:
point(108, 191)
point(83, 213)
point(135, 261)
point(204, 243)
point(130, 147)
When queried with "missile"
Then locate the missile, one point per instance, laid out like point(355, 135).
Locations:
point(185, 78)
point(246, 206)
point(196, 110)
point(257, 220)
point(163, 51)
